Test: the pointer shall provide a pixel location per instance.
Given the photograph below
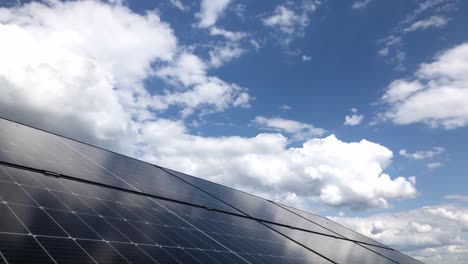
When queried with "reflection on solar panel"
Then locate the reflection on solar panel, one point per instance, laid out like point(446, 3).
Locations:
point(62, 201)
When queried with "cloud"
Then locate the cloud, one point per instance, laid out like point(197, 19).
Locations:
point(354, 119)
point(434, 165)
point(298, 130)
point(322, 170)
point(433, 21)
point(391, 46)
point(431, 234)
point(202, 90)
point(63, 71)
point(360, 4)
point(290, 21)
point(179, 5)
point(306, 58)
point(419, 155)
point(210, 11)
point(437, 95)
point(285, 107)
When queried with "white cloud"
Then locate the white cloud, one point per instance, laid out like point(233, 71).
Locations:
point(290, 21)
point(210, 11)
point(306, 58)
point(63, 71)
point(230, 35)
point(433, 21)
point(53, 54)
point(179, 5)
point(360, 4)
point(423, 154)
point(353, 119)
point(298, 130)
point(432, 234)
point(434, 165)
point(436, 96)
point(201, 90)
point(391, 47)
point(222, 54)
point(324, 170)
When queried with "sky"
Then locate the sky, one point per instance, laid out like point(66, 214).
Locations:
point(354, 110)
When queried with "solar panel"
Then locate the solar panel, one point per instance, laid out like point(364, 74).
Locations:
point(62, 201)
point(24, 146)
point(272, 212)
point(133, 228)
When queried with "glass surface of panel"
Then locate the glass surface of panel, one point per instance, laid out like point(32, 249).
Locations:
point(337, 228)
point(255, 206)
point(394, 255)
point(187, 233)
point(25, 146)
point(338, 250)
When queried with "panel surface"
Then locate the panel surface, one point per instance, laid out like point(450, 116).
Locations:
point(135, 228)
point(338, 250)
point(393, 254)
point(270, 211)
point(25, 146)
point(337, 228)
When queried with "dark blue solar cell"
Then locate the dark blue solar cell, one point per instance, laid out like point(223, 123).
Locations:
point(22, 249)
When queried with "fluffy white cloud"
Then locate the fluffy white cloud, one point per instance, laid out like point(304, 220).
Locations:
point(63, 70)
point(210, 11)
point(290, 20)
point(202, 90)
point(431, 234)
point(298, 130)
point(360, 4)
point(423, 154)
point(354, 119)
point(62, 61)
point(323, 170)
point(433, 21)
point(436, 96)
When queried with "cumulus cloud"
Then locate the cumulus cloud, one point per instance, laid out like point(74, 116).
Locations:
point(210, 11)
point(63, 71)
point(433, 21)
point(297, 129)
point(422, 154)
point(324, 170)
point(429, 233)
point(354, 119)
point(437, 95)
point(290, 21)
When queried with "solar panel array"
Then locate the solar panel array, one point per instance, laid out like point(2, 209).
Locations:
point(62, 201)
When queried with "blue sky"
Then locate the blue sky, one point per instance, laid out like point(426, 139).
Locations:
point(356, 110)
